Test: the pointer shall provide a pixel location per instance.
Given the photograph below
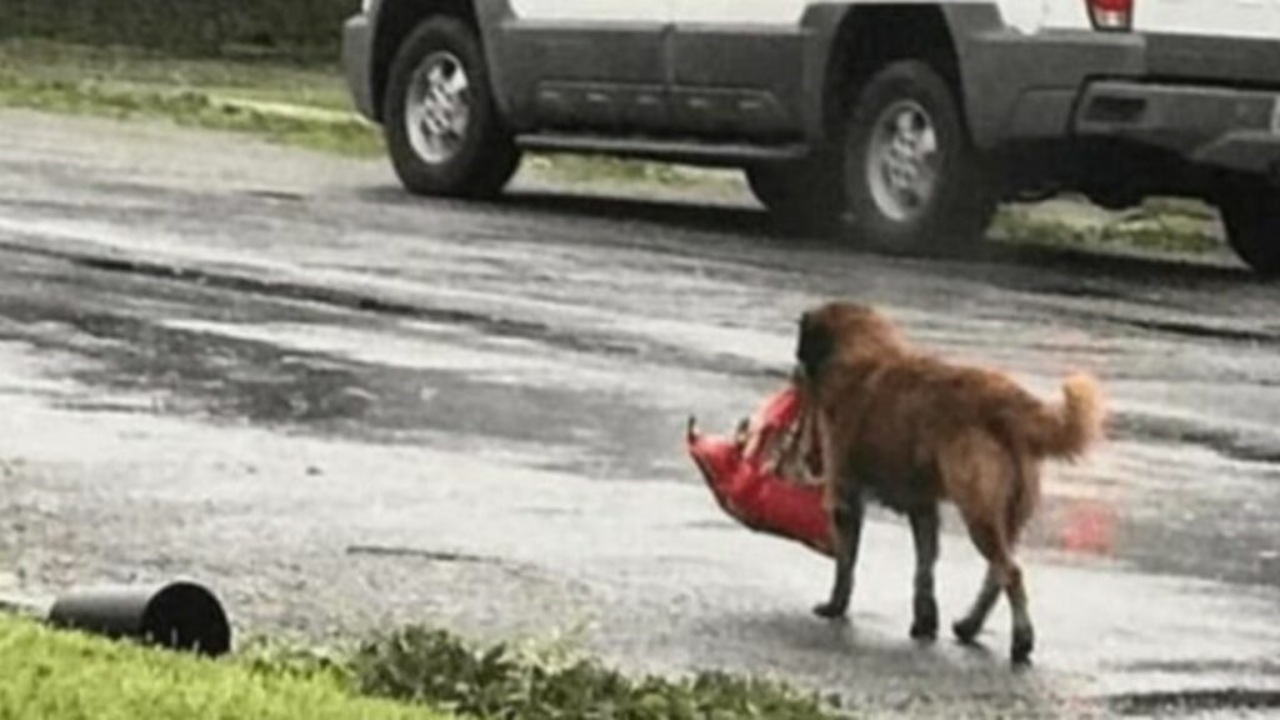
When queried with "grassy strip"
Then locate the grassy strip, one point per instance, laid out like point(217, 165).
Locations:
point(127, 67)
point(58, 676)
point(286, 104)
point(413, 673)
point(1157, 225)
point(193, 108)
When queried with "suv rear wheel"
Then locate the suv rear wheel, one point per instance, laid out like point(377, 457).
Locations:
point(1251, 212)
point(913, 179)
point(443, 132)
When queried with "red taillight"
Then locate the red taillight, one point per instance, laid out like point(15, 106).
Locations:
point(1111, 14)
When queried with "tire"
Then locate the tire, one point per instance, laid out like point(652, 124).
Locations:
point(472, 154)
point(908, 112)
point(1251, 212)
point(803, 197)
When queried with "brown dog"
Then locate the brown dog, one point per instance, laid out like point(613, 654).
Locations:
point(911, 431)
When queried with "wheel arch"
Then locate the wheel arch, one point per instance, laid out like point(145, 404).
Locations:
point(851, 40)
point(396, 19)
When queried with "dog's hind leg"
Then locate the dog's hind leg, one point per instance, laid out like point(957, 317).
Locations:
point(1024, 634)
point(1007, 576)
point(968, 627)
point(980, 477)
point(1021, 505)
point(924, 530)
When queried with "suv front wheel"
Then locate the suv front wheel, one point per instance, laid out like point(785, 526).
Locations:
point(442, 129)
point(913, 179)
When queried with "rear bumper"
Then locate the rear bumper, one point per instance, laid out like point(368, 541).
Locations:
point(1024, 87)
point(1209, 100)
point(1234, 129)
point(357, 43)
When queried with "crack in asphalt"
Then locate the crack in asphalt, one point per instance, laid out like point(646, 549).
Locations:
point(1181, 328)
point(1186, 702)
point(1198, 330)
point(1235, 445)
point(443, 556)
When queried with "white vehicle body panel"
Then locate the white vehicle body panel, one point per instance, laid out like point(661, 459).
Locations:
point(1223, 18)
point(630, 11)
point(1026, 15)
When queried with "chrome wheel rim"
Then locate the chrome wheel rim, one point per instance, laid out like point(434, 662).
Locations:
point(437, 110)
point(903, 159)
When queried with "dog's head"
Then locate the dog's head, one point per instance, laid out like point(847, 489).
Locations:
point(843, 332)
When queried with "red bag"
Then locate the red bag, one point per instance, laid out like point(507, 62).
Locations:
point(764, 501)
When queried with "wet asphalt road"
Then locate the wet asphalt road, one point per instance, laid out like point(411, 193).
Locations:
point(345, 408)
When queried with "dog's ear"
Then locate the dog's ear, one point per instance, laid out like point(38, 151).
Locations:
point(804, 329)
point(814, 344)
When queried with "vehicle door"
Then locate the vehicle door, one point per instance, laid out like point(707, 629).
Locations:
point(738, 67)
point(585, 64)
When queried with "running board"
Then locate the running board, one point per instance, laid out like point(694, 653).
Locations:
point(686, 151)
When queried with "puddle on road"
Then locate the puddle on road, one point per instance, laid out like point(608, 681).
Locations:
point(351, 381)
point(431, 387)
point(143, 345)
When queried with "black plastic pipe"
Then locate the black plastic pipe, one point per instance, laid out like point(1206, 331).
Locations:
point(179, 616)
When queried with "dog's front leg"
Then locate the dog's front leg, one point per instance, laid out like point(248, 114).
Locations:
point(846, 524)
point(924, 530)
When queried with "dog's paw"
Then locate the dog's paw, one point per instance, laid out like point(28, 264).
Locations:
point(925, 625)
point(925, 629)
point(831, 611)
point(1024, 641)
point(966, 630)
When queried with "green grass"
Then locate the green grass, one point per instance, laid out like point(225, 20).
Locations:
point(1159, 225)
point(414, 673)
point(192, 108)
point(131, 68)
point(554, 683)
point(60, 676)
point(296, 105)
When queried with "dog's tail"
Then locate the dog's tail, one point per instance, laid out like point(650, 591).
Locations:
point(1067, 430)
